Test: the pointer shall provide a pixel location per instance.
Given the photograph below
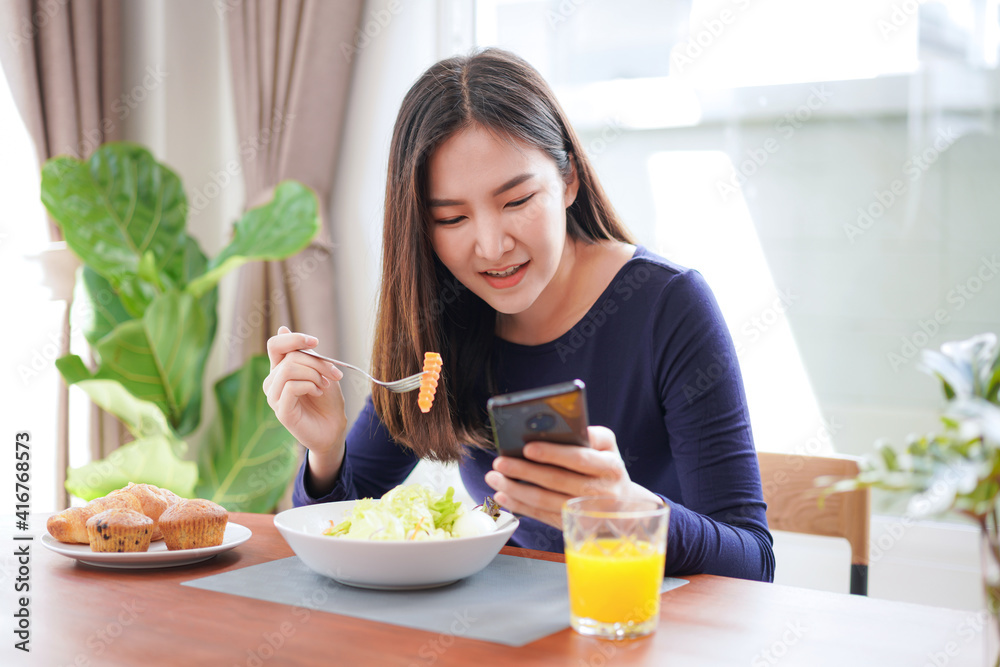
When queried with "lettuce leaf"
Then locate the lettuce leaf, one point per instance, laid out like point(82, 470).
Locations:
point(407, 512)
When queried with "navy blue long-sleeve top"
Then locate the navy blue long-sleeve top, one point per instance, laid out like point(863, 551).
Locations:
point(662, 373)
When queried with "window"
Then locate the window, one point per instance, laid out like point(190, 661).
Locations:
point(827, 166)
point(32, 321)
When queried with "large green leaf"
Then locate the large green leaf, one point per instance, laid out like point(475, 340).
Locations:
point(249, 459)
point(97, 309)
point(153, 458)
point(116, 208)
point(195, 264)
point(160, 358)
point(150, 460)
point(276, 230)
point(72, 368)
point(141, 418)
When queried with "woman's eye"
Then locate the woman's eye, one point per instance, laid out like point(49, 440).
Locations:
point(515, 204)
point(450, 221)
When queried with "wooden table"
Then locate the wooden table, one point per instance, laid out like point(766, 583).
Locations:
point(83, 615)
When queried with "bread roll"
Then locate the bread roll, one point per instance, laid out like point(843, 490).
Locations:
point(70, 525)
point(153, 500)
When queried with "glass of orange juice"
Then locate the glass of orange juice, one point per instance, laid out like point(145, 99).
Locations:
point(615, 553)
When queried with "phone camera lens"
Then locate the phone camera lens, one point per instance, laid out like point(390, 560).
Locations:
point(541, 422)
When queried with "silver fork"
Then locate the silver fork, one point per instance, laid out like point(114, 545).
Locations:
point(399, 386)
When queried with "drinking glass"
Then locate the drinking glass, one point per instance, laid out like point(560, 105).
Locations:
point(615, 553)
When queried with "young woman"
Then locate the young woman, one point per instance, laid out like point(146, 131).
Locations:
point(502, 252)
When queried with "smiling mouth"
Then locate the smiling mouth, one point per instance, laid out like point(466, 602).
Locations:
point(503, 274)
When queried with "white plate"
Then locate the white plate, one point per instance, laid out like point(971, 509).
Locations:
point(386, 565)
point(157, 556)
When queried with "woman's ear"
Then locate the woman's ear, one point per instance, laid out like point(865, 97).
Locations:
point(572, 184)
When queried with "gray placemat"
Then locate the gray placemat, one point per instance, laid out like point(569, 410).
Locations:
point(512, 601)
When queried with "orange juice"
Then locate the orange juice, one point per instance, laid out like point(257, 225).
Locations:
point(614, 581)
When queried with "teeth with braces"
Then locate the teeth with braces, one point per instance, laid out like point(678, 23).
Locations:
point(509, 272)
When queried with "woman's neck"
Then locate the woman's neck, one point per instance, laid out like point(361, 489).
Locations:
point(585, 271)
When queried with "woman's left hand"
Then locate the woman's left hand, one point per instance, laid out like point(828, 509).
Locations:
point(562, 472)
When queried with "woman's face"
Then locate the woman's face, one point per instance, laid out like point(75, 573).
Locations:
point(498, 216)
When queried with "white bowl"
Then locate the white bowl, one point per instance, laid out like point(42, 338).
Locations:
point(386, 564)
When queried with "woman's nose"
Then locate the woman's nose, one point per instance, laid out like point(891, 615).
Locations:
point(492, 239)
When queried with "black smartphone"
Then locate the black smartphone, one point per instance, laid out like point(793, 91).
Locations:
point(556, 413)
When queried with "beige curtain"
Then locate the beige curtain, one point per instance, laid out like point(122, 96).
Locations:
point(291, 66)
point(63, 63)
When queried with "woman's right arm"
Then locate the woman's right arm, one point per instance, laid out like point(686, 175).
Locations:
point(305, 394)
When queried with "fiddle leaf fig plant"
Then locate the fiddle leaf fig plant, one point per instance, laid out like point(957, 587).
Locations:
point(149, 300)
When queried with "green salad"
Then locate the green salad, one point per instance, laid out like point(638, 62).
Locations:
point(411, 512)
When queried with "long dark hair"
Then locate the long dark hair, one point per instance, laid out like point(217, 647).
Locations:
point(422, 307)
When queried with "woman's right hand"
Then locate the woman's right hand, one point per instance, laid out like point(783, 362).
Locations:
point(305, 394)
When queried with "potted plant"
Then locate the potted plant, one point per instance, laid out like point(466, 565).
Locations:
point(958, 468)
point(149, 301)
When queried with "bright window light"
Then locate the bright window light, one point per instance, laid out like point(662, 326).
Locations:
point(32, 321)
point(695, 228)
point(806, 42)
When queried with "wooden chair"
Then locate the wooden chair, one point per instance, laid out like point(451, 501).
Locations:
point(792, 504)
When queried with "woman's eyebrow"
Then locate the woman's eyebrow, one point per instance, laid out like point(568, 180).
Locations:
point(512, 183)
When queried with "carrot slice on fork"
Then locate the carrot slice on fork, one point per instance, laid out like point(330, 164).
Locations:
point(429, 382)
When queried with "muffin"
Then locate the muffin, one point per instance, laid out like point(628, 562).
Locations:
point(153, 500)
point(119, 530)
point(70, 525)
point(192, 524)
